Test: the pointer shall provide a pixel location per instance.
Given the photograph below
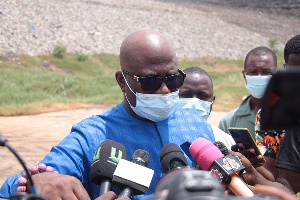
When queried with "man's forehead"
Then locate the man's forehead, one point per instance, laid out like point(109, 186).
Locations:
point(260, 61)
point(294, 60)
point(144, 48)
point(263, 57)
point(196, 79)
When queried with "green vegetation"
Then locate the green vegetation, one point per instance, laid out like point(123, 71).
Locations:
point(47, 83)
point(59, 51)
point(273, 42)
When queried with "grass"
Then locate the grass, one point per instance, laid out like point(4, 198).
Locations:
point(46, 83)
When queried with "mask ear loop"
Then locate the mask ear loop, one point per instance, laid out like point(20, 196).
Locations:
point(128, 87)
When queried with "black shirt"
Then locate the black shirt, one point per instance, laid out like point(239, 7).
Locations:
point(288, 156)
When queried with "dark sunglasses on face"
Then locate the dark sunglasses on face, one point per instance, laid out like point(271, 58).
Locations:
point(153, 83)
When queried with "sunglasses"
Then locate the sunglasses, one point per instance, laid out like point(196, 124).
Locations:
point(153, 83)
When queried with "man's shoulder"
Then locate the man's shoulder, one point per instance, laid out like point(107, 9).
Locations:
point(222, 136)
point(229, 115)
point(243, 109)
point(103, 117)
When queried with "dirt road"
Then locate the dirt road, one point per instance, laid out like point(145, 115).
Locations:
point(33, 136)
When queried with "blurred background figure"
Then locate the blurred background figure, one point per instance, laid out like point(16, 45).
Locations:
point(281, 147)
point(197, 94)
point(260, 64)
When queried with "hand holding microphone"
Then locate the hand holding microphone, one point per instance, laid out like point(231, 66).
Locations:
point(182, 182)
point(226, 169)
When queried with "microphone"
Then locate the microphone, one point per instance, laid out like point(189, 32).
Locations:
point(188, 184)
point(222, 147)
point(133, 176)
point(181, 181)
point(172, 158)
point(226, 169)
point(104, 163)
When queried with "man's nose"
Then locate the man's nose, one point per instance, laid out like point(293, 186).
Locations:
point(163, 89)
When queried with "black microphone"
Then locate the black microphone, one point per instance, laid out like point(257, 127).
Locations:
point(104, 163)
point(222, 147)
point(172, 158)
point(134, 176)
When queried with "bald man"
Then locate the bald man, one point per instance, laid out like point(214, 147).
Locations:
point(146, 119)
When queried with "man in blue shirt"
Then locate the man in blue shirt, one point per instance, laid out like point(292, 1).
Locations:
point(146, 119)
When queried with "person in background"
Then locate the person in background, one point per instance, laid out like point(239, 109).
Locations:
point(269, 144)
point(292, 53)
point(197, 93)
point(270, 141)
point(282, 148)
point(260, 64)
point(287, 161)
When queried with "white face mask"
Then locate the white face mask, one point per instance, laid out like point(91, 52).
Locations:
point(200, 107)
point(155, 107)
point(257, 85)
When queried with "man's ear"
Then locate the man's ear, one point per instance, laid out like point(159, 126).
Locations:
point(212, 103)
point(243, 72)
point(120, 79)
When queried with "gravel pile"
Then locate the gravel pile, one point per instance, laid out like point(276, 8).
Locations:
point(99, 26)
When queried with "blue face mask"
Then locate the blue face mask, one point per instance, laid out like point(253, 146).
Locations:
point(199, 107)
point(257, 85)
point(155, 107)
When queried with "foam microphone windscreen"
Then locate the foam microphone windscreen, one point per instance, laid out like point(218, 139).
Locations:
point(133, 176)
point(171, 157)
point(205, 153)
point(140, 157)
point(105, 160)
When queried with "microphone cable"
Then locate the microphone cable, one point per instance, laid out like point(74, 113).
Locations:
point(33, 195)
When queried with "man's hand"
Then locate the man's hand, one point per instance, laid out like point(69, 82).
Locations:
point(251, 174)
point(110, 196)
point(249, 153)
point(54, 186)
point(274, 191)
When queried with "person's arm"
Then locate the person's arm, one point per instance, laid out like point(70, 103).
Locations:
point(253, 177)
point(71, 159)
point(268, 170)
point(273, 191)
point(289, 179)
